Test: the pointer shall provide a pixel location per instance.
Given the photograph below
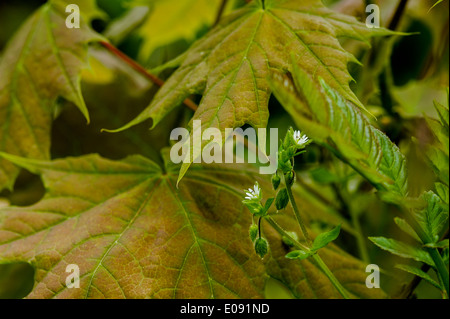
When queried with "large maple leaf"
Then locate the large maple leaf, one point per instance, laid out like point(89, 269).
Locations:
point(231, 65)
point(134, 235)
point(42, 62)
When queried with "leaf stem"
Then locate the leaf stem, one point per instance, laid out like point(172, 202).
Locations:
point(137, 67)
point(360, 238)
point(316, 257)
point(223, 4)
point(282, 232)
point(259, 227)
point(297, 212)
point(331, 276)
point(440, 267)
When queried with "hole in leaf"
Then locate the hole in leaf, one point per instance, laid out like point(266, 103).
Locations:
point(28, 190)
point(16, 280)
point(275, 289)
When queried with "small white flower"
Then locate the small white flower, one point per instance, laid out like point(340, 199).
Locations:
point(253, 193)
point(300, 139)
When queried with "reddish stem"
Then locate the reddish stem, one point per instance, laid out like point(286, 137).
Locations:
point(136, 66)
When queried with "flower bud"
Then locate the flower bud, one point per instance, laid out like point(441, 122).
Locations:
point(290, 178)
point(261, 247)
point(275, 181)
point(282, 199)
point(287, 241)
point(253, 231)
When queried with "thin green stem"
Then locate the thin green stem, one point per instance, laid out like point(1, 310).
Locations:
point(316, 257)
point(297, 212)
point(331, 276)
point(440, 267)
point(282, 232)
point(360, 238)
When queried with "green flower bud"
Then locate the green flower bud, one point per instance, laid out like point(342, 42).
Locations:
point(261, 247)
point(253, 231)
point(290, 177)
point(287, 241)
point(282, 199)
point(275, 181)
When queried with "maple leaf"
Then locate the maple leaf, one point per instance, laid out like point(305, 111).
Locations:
point(42, 62)
point(134, 235)
point(230, 66)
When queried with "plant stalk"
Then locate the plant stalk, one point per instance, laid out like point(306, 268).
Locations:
point(316, 257)
point(331, 276)
point(440, 267)
point(282, 232)
point(223, 4)
point(297, 213)
point(360, 238)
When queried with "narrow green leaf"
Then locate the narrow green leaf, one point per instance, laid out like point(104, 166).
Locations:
point(445, 256)
point(403, 225)
point(440, 244)
point(420, 273)
point(324, 239)
point(436, 3)
point(268, 204)
point(443, 192)
point(403, 250)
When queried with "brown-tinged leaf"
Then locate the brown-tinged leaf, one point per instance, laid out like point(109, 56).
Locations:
point(41, 63)
point(230, 66)
point(133, 234)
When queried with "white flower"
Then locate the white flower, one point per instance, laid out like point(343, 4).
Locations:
point(300, 139)
point(253, 193)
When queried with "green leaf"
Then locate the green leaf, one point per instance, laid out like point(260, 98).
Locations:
point(436, 3)
point(42, 62)
point(134, 234)
point(324, 176)
point(438, 152)
point(440, 244)
point(299, 254)
point(230, 66)
point(403, 225)
point(432, 219)
point(119, 29)
point(445, 256)
point(324, 239)
point(442, 191)
point(420, 273)
point(268, 204)
point(403, 250)
point(325, 116)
